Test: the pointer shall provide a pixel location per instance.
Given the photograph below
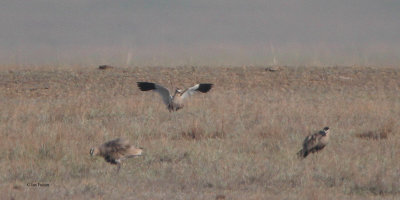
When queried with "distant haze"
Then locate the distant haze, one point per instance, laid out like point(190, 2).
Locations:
point(200, 32)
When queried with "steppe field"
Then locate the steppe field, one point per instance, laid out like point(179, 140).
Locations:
point(239, 140)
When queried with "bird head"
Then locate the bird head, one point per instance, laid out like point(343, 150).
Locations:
point(178, 91)
point(326, 130)
point(94, 151)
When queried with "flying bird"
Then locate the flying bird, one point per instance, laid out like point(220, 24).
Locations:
point(314, 142)
point(175, 102)
point(115, 151)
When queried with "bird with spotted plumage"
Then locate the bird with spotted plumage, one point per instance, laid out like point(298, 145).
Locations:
point(115, 151)
point(314, 142)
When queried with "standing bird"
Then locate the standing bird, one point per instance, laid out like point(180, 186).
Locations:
point(175, 102)
point(314, 142)
point(115, 151)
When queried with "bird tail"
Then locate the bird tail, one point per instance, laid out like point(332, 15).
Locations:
point(302, 153)
point(135, 151)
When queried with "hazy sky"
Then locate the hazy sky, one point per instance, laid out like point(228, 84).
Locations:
point(200, 32)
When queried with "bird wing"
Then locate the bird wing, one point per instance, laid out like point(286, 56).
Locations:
point(162, 91)
point(202, 87)
point(310, 142)
point(116, 146)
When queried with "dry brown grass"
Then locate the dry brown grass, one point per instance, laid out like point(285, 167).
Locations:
point(383, 133)
point(239, 140)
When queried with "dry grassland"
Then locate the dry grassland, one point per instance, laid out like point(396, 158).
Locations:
point(239, 140)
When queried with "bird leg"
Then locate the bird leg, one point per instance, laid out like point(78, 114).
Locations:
point(118, 166)
point(170, 107)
